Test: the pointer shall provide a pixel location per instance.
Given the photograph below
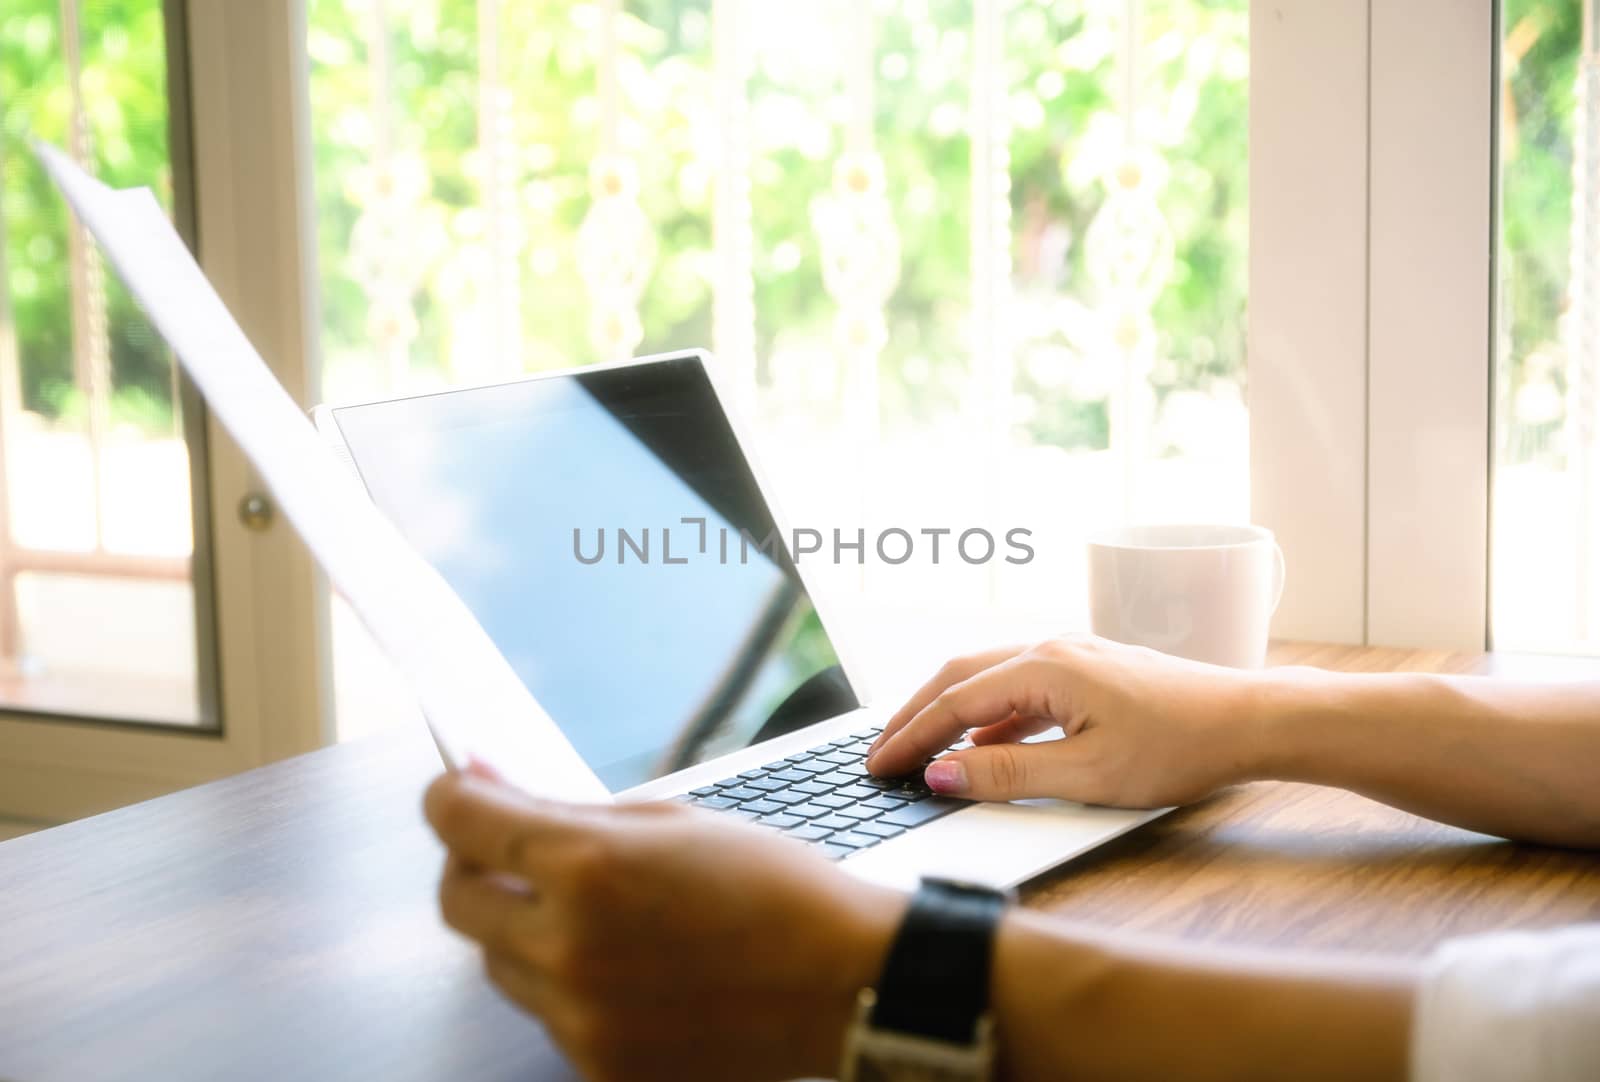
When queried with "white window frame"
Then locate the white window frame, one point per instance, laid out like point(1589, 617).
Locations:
point(1371, 304)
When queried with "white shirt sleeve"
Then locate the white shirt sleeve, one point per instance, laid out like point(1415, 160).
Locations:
point(1511, 1007)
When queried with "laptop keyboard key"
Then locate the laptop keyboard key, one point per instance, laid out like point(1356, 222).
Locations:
point(880, 829)
point(834, 852)
point(789, 775)
point(762, 807)
point(704, 790)
point(924, 811)
point(809, 810)
point(808, 832)
point(835, 777)
point(788, 796)
point(740, 792)
point(716, 803)
point(860, 811)
point(856, 792)
point(810, 788)
point(834, 822)
point(767, 785)
point(781, 821)
point(884, 803)
point(832, 800)
point(749, 774)
point(854, 840)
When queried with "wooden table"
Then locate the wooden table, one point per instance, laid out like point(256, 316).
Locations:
point(281, 924)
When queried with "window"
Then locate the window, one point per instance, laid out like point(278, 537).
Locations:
point(100, 615)
point(974, 262)
point(983, 266)
point(1546, 528)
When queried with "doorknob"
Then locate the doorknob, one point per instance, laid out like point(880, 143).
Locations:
point(256, 512)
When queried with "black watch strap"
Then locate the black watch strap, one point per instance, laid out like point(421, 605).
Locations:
point(935, 981)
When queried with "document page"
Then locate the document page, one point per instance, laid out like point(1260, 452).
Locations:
point(474, 702)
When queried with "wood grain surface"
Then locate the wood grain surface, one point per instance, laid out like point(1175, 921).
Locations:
point(281, 924)
point(1287, 865)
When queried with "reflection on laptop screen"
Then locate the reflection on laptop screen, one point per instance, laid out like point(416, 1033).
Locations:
point(647, 665)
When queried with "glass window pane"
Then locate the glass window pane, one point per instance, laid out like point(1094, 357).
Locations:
point(97, 606)
point(974, 265)
point(1546, 529)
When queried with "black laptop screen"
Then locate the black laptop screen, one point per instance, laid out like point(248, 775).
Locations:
point(606, 531)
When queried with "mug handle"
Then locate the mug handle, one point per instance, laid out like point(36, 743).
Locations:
point(1283, 575)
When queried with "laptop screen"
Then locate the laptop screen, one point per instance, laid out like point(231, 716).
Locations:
point(605, 529)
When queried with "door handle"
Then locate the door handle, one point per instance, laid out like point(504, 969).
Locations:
point(256, 512)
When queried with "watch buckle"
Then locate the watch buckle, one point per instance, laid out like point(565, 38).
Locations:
point(873, 1054)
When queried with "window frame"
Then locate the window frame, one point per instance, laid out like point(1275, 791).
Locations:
point(1388, 362)
point(1435, 76)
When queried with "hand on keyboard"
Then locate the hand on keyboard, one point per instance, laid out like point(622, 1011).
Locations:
point(824, 795)
point(1140, 729)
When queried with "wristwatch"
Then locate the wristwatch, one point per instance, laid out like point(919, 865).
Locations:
point(928, 1019)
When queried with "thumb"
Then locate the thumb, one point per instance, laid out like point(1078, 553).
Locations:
point(1054, 768)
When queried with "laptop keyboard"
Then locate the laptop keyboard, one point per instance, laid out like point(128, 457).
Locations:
point(825, 796)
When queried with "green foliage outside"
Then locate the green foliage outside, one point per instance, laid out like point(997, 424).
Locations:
point(1062, 72)
point(124, 89)
point(1538, 110)
point(1062, 68)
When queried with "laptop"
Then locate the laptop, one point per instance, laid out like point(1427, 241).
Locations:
point(643, 674)
point(610, 530)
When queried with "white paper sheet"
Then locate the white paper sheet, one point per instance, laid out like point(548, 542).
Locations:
point(474, 702)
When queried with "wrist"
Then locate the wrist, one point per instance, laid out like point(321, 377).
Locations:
point(1287, 704)
point(1245, 725)
point(1054, 994)
point(868, 919)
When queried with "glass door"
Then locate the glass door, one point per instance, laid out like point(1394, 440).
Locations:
point(105, 594)
point(156, 624)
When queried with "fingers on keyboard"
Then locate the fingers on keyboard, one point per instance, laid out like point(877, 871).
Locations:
point(824, 796)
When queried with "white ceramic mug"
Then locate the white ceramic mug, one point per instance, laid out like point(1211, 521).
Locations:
point(1196, 591)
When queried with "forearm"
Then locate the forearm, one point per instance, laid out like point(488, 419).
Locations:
point(1516, 760)
point(1080, 1005)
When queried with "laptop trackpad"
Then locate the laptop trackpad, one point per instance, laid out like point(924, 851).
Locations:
point(996, 844)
